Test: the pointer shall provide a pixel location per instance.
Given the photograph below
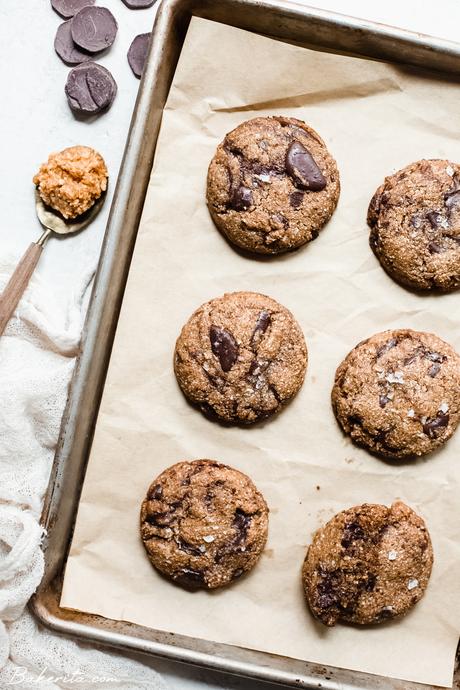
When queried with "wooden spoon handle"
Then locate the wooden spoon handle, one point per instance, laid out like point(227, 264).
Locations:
point(18, 282)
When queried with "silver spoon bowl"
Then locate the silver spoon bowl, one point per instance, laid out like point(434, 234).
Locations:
point(53, 222)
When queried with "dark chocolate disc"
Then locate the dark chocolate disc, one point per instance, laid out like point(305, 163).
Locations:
point(94, 28)
point(90, 88)
point(138, 4)
point(66, 48)
point(67, 8)
point(137, 53)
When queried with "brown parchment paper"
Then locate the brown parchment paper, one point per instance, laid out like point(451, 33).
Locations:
point(375, 119)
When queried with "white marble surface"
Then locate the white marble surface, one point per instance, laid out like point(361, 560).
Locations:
point(35, 119)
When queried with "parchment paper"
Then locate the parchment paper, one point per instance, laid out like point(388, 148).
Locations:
point(375, 119)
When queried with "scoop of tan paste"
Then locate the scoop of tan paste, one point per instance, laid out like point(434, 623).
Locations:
point(72, 180)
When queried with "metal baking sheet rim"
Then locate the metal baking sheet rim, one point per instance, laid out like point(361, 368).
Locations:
point(286, 21)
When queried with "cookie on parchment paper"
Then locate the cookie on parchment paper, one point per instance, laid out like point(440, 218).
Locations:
point(272, 185)
point(203, 524)
point(414, 218)
point(398, 393)
point(368, 564)
point(240, 357)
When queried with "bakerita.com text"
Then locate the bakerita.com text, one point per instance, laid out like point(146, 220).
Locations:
point(21, 675)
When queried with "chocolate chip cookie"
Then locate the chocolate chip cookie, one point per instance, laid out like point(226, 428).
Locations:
point(414, 218)
point(203, 524)
point(368, 564)
point(398, 393)
point(240, 357)
point(272, 185)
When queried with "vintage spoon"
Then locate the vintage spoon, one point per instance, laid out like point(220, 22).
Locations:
point(53, 223)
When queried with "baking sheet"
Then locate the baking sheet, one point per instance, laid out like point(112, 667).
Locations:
point(375, 118)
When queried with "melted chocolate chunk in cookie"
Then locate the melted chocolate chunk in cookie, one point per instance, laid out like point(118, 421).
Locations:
point(263, 322)
point(241, 199)
point(224, 346)
point(301, 166)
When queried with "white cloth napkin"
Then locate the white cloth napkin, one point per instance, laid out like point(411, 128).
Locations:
point(37, 356)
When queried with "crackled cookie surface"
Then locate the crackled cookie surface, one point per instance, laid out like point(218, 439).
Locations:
point(203, 524)
point(72, 180)
point(414, 218)
point(272, 185)
point(398, 393)
point(240, 357)
point(368, 564)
